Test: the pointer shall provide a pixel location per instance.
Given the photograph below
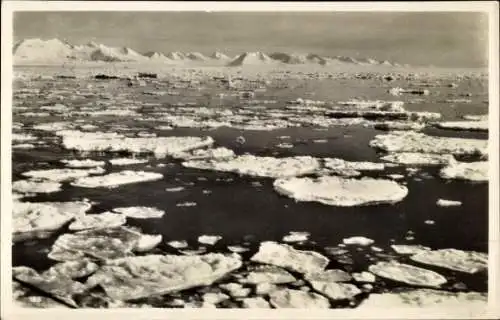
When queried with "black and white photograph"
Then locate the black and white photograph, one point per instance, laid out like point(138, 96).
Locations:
point(250, 159)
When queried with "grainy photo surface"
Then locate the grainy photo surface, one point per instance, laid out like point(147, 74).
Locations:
point(314, 160)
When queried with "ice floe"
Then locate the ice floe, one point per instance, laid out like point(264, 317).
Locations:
point(23, 137)
point(296, 236)
point(472, 171)
point(86, 163)
point(255, 303)
point(426, 298)
point(140, 212)
point(334, 290)
point(409, 249)
point(60, 175)
point(235, 290)
point(116, 179)
point(405, 273)
point(268, 274)
point(409, 141)
point(174, 189)
point(259, 166)
point(482, 117)
point(399, 125)
point(289, 298)
point(332, 275)
point(337, 191)
point(126, 161)
point(186, 204)
point(24, 146)
point(209, 239)
point(73, 269)
point(30, 186)
point(178, 244)
point(358, 240)
point(364, 276)
point(464, 125)
point(200, 154)
point(415, 158)
point(96, 221)
point(287, 257)
point(33, 217)
point(448, 203)
point(138, 277)
point(148, 242)
point(340, 164)
point(458, 260)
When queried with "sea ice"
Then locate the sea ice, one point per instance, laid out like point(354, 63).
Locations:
point(86, 163)
point(23, 146)
point(178, 244)
point(415, 158)
point(358, 240)
point(116, 179)
point(23, 137)
point(472, 171)
point(235, 290)
point(289, 298)
point(73, 269)
point(208, 239)
point(255, 303)
point(340, 164)
point(148, 242)
point(97, 221)
point(126, 161)
point(29, 217)
point(201, 154)
point(174, 189)
point(332, 275)
point(60, 175)
point(140, 212)
point(337, 191)
point(287, 257)
point(138, 277)
point(459, 260)
point(426, 298)
point(296, 237)
point(268, 274)
point(29, 186)
point(409, 249)
point(448, 203)
point(407, 274)
point(464, 125)
point(410, 141)
point(364, 276)
point(334, 290)
point(482, 117)
point(259, 166)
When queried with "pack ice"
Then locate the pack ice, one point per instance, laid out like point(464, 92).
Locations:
point(472, 171)
point(259, 166)
point(338, 191)
point(138, 277)
point(409, 141)
point(116, 179)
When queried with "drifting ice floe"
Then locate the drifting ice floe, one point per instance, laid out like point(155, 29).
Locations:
point(464, 261)
point(126, 161)
point(415, 158)
point(140, 212)
point(30, 217)
point(259, 166)
point(116, 179)
point(409, 141)
point(409, 249)
point(60, 175)
point(464, 125)
point(86, 163)
point(472, 171)
point(334, 290)
point(268, 274)
point(235, 290)
point(289, 298)
point(96, 221)
point(407, 274)
point(178, 244)
point(28, 186)
point(295, 236)
point(483, 117)
point(174, 189)
point(361, 241)
point(364, 276)
point(102, 244)
point(427, 298)
point(114, 142)
point(53, 126)
point(340, 164)
point(200, 154)
point(255, 303)
point(337, 191)
point(138, 277)
point(23, 146)
point(287, 257)
point(375, 105)
point(23, 137)
point(333, 275)
point(207, 239)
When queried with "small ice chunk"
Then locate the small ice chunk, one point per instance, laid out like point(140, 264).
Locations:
point(29, 186)
point(209, 239)
point(23, 146)
point(358, 240)
point(174, 189)
point(140, 212)
point(459, 260)
point(214, 297)
point(178, 244)
point(235, 290)
point(396, 176)
point(448, 203)
point(294, 236)
point(287, 257)
point(268, 274)
point(126, 161)
point(265, 288)
point(148, 242)
point(237, 249)
point(117, 179)
point(338, 191)
point(472, 171)
point(407, 274)
point(187, 204)
point(96, 221)
point(255, 303)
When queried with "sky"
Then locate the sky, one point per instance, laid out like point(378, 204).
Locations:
point(451, 39)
